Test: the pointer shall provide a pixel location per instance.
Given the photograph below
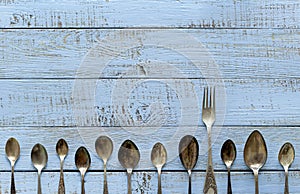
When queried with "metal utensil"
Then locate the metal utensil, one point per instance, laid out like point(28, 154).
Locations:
point(129, 157)
point(228, 155)
point(188, 154)
point(104, 148)
point(62, 151)
point(12, 150)
point(39, 158)
point(83, 162)
point(286, 157)
point(208, 118)
point(159, 159)
point(255, 154)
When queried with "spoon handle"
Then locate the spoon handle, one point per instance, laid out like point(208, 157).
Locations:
point(39, 183)
point(159, 191)
point(286, 186)
point(229, 190)
point(105, 188)
point(12, 186)
point(61, 186)
point(190, 182)
point(256, 181)
point(129, 183)
point(82, 185)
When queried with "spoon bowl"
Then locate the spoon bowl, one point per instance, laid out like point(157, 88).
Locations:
point(159, 159)
point(188, 153)
point(286, 157)
point(129, 157)
point(82, 162)
point(12, 150)
point(62, 151)
point(104, 148)
point(228, 155)
point(39, 158)
point(255, 154)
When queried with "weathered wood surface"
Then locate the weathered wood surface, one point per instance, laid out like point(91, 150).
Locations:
point(162, 14)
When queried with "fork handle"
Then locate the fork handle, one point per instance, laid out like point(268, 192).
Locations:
point(210, 186)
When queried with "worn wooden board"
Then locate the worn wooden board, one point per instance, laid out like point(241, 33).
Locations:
point(161, 14)
point(237, 53)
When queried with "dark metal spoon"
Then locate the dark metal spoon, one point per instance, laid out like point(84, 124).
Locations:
point(83, 162)
point(62, 151)
point(286, 157)
point(159, 159)
point(104, 148)
point(12, 150)
point(39, 158)
point(129, 157)
point(255, 154)
point(228, 155)
point(188, 153)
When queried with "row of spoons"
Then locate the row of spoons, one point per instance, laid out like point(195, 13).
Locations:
point(255, 156)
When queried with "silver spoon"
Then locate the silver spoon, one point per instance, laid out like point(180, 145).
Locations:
point(12, 150)
point(104, 148)
point(39, 158)
point(159, 158)
point(228, 155)
point(188, 153)
point(255, 154)
point(129, 157)
point(62, 151)
point(286, 157)
point(83, 162)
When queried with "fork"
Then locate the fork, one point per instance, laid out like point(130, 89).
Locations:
point(208, 118)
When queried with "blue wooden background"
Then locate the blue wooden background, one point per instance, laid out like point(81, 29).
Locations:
point(136, 69)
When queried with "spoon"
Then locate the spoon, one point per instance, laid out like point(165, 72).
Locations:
point(62, 151)
point(83, 162)
point(228, 154)
point(129, 157)
point(188, 153)
point(104, 148)
point(286, 157)
point(39, 158)
point(159, 158)
point(12, 150)
point(255, 154)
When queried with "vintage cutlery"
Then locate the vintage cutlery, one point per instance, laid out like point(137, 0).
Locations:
point(159, 159)
point(104, 148)
point(188, 154)
point(208, 118)
point(228, 155)
point(255, 154)
point(129, 157)
point(12, 150)
point(62, 151)
point(83, 162)
point(39, 158)
point(286, 157)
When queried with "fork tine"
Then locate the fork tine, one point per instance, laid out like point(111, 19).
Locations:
point(210, 97)
point(204, 102)
point(213, 98)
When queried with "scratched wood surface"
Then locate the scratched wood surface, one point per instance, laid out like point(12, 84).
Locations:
point(136, 69)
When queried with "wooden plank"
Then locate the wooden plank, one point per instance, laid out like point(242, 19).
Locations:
point(146, 182)
point(166, 13)
point(130, 102)
point(275, 137)
point(240, 53)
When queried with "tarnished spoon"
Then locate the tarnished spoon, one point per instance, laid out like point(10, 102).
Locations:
point(104, 148)
point(129, 157)
point(39, 158)
point(286, 157)
point(83, 162)
point(228, 155)
point(62, 151)
point(159, 159)
point(188, 153)
point(255, 154)
point(12, 150)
